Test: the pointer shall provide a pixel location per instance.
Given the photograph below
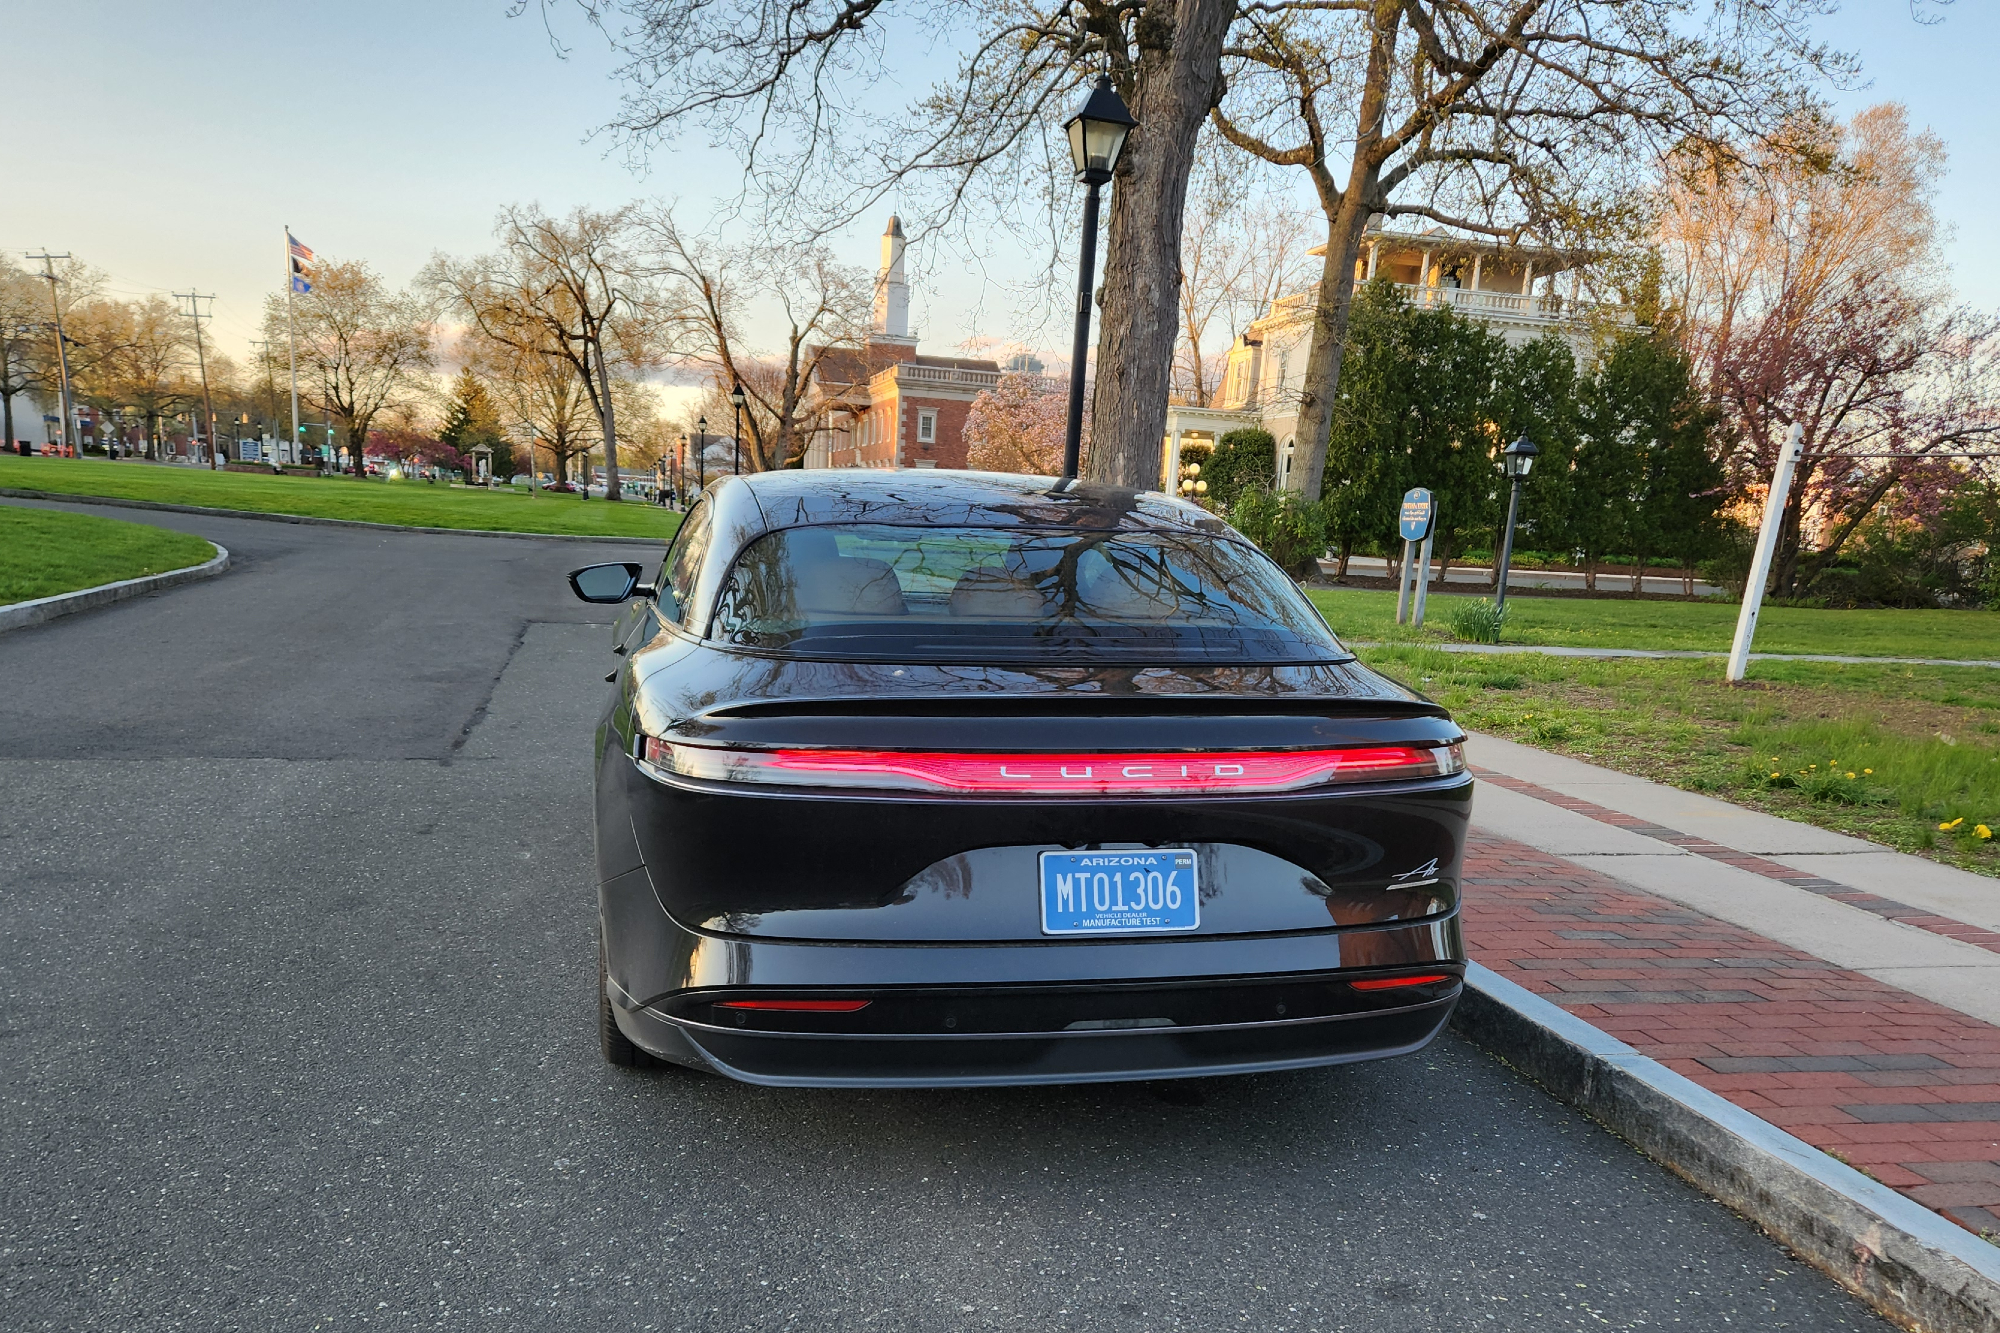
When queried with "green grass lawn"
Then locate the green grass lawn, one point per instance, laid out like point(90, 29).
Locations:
point(43, 553)
point(1922, 743)
point(1370, 616)
point(416, 503)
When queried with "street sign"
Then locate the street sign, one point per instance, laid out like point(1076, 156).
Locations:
point(1417, 514)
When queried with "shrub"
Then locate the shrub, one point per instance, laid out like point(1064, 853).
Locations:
point(1290, 528)
point(1242, 460)
point(1478, 622)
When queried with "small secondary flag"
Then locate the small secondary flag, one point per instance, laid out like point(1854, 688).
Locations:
point(302, 257)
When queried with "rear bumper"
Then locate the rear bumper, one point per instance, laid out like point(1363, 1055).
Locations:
point(931, 1061)
point(944, 1015)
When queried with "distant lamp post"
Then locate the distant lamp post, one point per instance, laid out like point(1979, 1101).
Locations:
point(1097, 134)
point(736, 434)
point(701, 453)
point(1516, 460)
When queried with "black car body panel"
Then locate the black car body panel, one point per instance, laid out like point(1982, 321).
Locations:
point(921, 908)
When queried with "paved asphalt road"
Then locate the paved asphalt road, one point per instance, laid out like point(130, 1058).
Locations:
point(296, 961)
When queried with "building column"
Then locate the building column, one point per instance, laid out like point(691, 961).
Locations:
point(1374, 252)
point(1424, 278)
point(1477, 260)
point(1173, 477)
point(1528, 281)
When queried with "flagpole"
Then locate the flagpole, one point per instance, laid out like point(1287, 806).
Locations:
point(292, 340)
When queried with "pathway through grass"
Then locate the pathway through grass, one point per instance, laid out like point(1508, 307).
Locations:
point(1368, 615)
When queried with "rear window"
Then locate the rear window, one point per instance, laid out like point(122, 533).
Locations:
point(873, 591)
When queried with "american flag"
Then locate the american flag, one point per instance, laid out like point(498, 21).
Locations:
point(299, 250)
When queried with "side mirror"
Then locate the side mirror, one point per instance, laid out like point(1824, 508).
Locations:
point(607, 583)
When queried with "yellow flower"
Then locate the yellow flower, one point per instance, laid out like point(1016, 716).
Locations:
point(1776, 774)
point(1946, 828)
point(1867, 770)
point(1812, 765)
point(1980, 830)
point(1850, 777)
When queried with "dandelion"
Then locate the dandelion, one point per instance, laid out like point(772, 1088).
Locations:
point(1776, 774)
point(1867, 771)
point(1850, 777)
point(1981, 831)
point(1946, 828)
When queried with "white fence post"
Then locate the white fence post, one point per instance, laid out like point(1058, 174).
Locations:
point(1760, 563)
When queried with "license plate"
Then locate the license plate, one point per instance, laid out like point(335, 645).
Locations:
point(1119, 893)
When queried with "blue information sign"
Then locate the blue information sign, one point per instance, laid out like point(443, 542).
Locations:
point(1418, 511)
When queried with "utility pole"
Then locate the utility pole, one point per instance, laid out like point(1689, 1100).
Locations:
point(271, 394)
point(201, 358)
point(292, 342)
point(62, 343)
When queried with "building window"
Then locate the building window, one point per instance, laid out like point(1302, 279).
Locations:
point(926, 428)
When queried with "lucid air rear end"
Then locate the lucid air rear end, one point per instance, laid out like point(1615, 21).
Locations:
point(932, 778)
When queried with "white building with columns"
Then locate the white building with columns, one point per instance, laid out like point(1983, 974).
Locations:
point(1520, 292)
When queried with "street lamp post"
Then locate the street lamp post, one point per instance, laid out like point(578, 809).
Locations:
point(736, 434)
point(1097, 135)
point(1516, 460)
point(701, 453)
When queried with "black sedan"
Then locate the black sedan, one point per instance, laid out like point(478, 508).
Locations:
point(943, 778)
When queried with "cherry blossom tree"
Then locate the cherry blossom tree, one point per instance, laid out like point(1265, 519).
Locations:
point(1018, 425)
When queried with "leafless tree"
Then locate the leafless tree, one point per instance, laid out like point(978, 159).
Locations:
point(561, 288)
point(706, 294)
point(795, 87)
point(1494, 118)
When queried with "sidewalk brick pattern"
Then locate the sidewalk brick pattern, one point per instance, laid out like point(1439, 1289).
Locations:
point(1904, 1089)
point(1886, 908)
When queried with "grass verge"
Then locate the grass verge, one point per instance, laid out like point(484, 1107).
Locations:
point(413, 503)
point(1367, 615)
point(1884, 752)
point(43, 553)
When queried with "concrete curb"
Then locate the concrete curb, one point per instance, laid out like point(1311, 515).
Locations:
point(1908, 1263)
point(20, 615)
point(122, 503)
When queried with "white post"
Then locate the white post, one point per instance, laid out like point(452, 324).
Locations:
point(1477, 261)
point(1173, 486)
point(1423, 579)
point(1403, 582)
point(1374, 252)
point(1760, 563)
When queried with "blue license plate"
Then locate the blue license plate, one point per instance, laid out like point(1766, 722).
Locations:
point(1119, 893)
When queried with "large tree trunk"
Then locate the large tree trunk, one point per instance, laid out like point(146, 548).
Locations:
point(1174, 82)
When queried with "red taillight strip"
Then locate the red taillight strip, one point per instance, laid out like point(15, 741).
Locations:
point(798, 1006)
point(1160, 773)
point(1393, 983)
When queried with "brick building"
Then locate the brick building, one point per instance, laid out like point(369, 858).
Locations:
point(884, 404)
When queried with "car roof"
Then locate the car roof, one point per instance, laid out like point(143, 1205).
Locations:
point(939, 497)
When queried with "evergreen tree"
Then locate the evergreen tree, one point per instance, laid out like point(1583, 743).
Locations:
point(1414, 410)
point(473, 420)
point(1647, 479)
point(1537, 397)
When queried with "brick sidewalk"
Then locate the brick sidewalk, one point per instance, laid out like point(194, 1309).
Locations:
point(1902, 1088)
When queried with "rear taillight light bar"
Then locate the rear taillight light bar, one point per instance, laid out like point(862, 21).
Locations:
point(1397, 983)
point(798, 1006)
point(1043, 774)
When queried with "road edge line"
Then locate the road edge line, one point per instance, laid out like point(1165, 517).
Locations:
point(1904, 1260)
point(20, 615)
point(120, 502)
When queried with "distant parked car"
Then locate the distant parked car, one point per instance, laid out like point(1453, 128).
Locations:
point(938, 778)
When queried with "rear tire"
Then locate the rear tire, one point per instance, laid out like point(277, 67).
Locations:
point(616, 1046)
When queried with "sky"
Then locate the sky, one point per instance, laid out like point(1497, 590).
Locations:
point(170, 144)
